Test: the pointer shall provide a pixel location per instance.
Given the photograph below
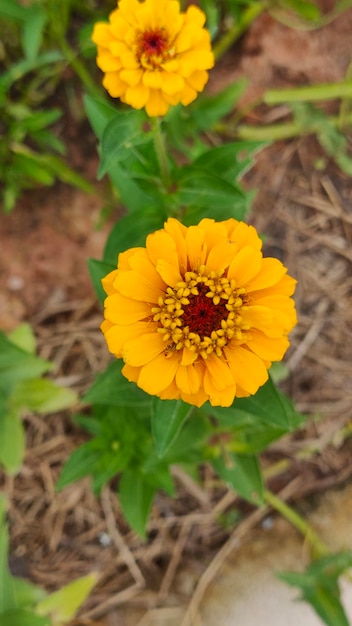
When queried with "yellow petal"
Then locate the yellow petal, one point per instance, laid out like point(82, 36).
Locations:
point(158, 374)
point(121, 310)
point(221, 255)
point(141, 263)
point(188, 95)
point(271, 272)
point(136, 286)
point(257, 316)
point(139, 351)
point(132, 78)
point(168, 272)
point(116, 336)
point(161, 245)
point(268, 348)
point(172, 83)
point(195, 16)
point(198, 79)
point(219, 373)
point(244, 235)
point(152, 79)
point(196, 247)
point(131, 373)
point(171, 392)
point(124, 258)
point(188, 357)
point(113, 84)
point(187, 379)
point(247, 368)
point(245, 265)
point(223, 398)
point(107, 63)
point(102, 34)
point(156, 104)
point(108, 281)
point(178, 232)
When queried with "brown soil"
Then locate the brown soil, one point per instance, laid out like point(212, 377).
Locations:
point(306, 215)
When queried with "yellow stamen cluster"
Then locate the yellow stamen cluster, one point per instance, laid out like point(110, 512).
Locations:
point(201, 313)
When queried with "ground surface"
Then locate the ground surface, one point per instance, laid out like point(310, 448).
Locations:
point(306, 214)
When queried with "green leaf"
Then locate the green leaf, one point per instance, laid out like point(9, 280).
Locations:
point(28, 166)
point(136, 497)
point(8, 598)
point(20, 69)
point(97, 271)
point(168, 417)
point(32, 33)
point(23, 337)
point(113, 389)
point(202, 189)
point(131, 190)
point(305, 9)
point(131, 231)
point(271, 406)
point(10, 9)
point(22, 617)
point(42, 396)
point(17, 365)
point(99, 113)
point(12, 441)
point(243, 473)
point(63, 605)
point(81, 463)
point(122, 133)
point(230, 161)
point(319, 586)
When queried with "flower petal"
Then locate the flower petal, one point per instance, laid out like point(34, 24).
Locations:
point(143, 349)
point(247, 368)
point(245, 265)
point(122, 310)
point(158, 374)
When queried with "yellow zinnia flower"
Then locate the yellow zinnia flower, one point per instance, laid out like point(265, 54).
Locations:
point(198, 313)
point(153, 55)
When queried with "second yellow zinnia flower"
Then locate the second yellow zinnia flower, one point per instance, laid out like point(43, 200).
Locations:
point(198, 313)
point(153, 55)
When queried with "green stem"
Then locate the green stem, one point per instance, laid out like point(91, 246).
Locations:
point(161, 152)
point(81, 71)
point(248, 16)
point(278, 132)
point(310, 93)
point(318, 546)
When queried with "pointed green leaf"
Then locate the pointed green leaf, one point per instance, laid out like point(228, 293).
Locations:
point(17, 364)
point(168, 417)
point(131, 231)
point(99, 113)
point(121, 134)
point(23, 337)
point(113, 389)
point(201, 188)
point(319, 586)
point(243, 473)
point(271, 406)
point(22, 617)
point(136, 497)
point(63, 605)
point(32, 33)
point(42, 396)
point(12, 441)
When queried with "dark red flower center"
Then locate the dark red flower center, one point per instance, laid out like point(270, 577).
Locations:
point(154, 43)
point(202, 316)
